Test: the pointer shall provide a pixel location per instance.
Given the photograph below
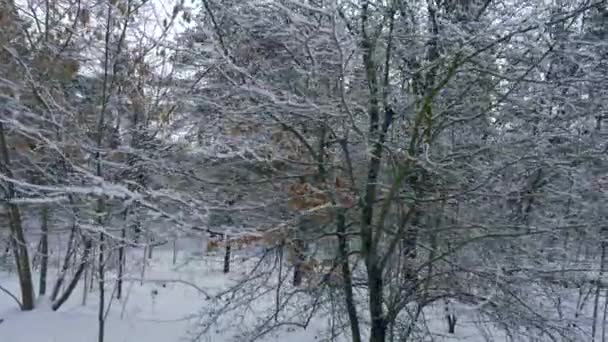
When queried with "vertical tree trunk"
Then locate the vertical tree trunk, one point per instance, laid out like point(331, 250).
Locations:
point(44, 251)
point(174, 251)
point(604, 247)
point(451, 324)
point(150, 247)
point(279, 282)
point(347, 282)
point(298, 262)
point(22, 259)
point(136, 234)
point(377, 135)
point(227, 255)
point(92, 270)
point(143, 265)
point(121, 260)
point(450, 317)
point(102, 298)
point(85, 287)
point(409, 246)
point(98, 161)
point(376, 300)
point(605, 316)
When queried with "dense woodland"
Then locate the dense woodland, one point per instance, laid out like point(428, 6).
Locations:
point(388, 157)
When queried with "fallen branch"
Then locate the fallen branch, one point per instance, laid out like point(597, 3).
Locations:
point(178, 281)
point(12, 296)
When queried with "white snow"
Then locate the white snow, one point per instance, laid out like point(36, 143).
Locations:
point(159, 309)
point(164, 307)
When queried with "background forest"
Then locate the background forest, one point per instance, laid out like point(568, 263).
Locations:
point(370, 170)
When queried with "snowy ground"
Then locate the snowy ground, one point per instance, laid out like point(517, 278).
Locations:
point(160, 309)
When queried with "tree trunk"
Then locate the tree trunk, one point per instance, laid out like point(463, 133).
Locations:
point(298, 262)
point(451, 324)
point(377, 136)
point(604, 248)
point(605, 316)
point(22, 259)
point(102, 298)
point(44, 251)
point(92, 271)
point(121, 261)
point(150, 247)
point(143, 266)
point(72, 285)
point(85, 287)
point(347, 282)
point(136, 233)
point(279, 282)
point(376, 300)
point(409, 246)
point(227, 256)
point(450, 317)
point(174, 251)
point(66, 264)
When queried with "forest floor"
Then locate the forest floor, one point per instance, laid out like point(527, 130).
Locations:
point(162, 308)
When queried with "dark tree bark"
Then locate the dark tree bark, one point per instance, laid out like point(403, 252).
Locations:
point(347, 283)
point(19, 243)
point(102, 293)
point(298, 262)
point(121, 261)
point(66, 263)
point(227, 255)
point(451, 319)
point(44, 251)
point(121, 256)
point(75, 279)
point(376, 300)
point(451, 324)
point(150, 247)
point(279, 282)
